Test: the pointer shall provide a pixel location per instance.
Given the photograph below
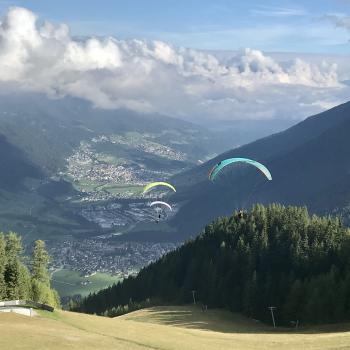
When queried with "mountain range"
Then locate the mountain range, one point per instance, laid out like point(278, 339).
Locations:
point(53, 149)
point(309, 162)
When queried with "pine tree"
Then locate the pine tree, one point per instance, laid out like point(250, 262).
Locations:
point(12, 268)
point(3, 262)
point(41, 291)
point(250, 296)
point(24, 283)
point(40, 263)
point(295, 302)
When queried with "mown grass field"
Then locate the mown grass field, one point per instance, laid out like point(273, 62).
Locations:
point(115, 189)
point(69, 283)
point(168, 328)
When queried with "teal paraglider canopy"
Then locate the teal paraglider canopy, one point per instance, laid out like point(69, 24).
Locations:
point(218, 167)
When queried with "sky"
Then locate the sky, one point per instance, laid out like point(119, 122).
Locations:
point(193, 59)
point(287, 26)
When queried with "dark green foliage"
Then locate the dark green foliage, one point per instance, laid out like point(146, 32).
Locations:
point(16, 281)
point(2, 266)
point(40, 262)
point(14, 274)
point(274, 255)
point(41, 290)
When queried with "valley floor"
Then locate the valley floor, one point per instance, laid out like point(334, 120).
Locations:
point(160, 328)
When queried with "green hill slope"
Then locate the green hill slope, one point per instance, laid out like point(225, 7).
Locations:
point(15, 166)
point(172, 328)
point(274, 255)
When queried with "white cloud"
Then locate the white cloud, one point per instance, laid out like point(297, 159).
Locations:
point(272, 11)
point(156, 77)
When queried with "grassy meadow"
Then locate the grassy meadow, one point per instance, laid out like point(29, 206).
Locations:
point(68, 282)
point(160, 328)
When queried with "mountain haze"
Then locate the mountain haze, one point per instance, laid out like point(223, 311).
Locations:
point(48, 130)
point(309, 162)
point(46, 144)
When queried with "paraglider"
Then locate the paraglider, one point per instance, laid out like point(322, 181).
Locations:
point(158, 205)
point(214, 172)
point(161, 203)
point(245, 195)
point(156, 184)
point(218, 167)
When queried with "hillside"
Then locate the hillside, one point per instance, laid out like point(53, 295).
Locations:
point(15, 166)
point(171, 328)
point(309, 163)
point(275, 255)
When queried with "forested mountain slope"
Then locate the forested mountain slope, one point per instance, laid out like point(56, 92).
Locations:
point(273, 256)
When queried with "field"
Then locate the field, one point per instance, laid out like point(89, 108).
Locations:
point(68, 282)
point(115, 189)
point(121, 189)
point(167, 328)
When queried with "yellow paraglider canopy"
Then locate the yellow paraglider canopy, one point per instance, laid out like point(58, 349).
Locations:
point(158, 183)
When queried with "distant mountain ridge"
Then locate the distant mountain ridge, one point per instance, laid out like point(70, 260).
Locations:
point(38, 135)
point(47, 130)
point(309, 162)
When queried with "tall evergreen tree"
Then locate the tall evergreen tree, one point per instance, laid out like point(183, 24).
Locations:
point(12, 274)
point(41, 290)
point(40, 262)
point(24, 283)
point(3, 261)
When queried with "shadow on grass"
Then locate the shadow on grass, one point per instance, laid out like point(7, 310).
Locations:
point(193, 318)
point(222, 321)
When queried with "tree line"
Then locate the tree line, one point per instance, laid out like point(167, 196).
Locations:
point(17, 281)
point(271, 256)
